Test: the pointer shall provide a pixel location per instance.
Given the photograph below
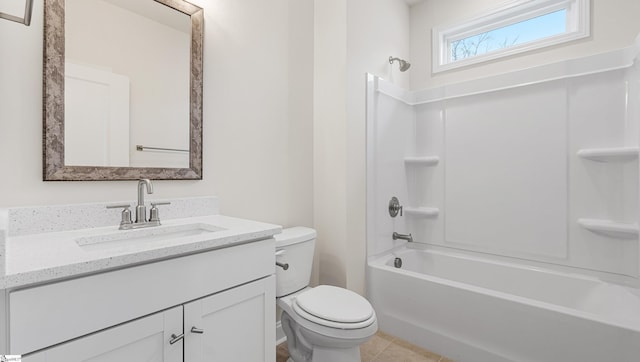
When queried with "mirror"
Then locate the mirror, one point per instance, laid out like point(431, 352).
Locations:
point(123, 90)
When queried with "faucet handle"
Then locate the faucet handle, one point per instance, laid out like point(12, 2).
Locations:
point(394, 207)
point(119, 206)
point(154, 214)
point(126, 213)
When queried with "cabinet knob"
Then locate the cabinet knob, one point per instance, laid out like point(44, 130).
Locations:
point(175, 338)
point(197, 330)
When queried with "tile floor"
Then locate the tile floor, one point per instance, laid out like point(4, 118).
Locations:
point(383, 348)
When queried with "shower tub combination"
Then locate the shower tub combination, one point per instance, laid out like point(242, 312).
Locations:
point(471, 308)
point(500, 178)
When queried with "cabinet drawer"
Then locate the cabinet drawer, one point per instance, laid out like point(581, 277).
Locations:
point(50, 314)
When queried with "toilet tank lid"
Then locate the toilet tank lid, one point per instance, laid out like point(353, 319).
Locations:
point(294, 235)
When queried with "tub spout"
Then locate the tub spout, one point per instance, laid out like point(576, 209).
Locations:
point(406, 237)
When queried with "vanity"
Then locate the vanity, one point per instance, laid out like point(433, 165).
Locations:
point(86, 282)
point(199, 287)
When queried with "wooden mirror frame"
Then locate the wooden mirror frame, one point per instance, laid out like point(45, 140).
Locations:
point(54, 168)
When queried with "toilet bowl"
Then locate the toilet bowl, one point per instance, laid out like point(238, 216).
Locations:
point(322, 324)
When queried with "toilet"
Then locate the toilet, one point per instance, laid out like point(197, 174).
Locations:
point(324, 323)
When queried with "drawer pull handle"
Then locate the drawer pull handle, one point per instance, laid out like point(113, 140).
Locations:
point(197, 330)
point(175, 338)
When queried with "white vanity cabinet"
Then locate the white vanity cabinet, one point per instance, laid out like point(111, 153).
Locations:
point(235, 325)
point(222, 302)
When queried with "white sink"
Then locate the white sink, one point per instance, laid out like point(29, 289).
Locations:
point(151, 234)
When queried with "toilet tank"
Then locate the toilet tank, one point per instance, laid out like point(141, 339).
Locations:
point(294, 246)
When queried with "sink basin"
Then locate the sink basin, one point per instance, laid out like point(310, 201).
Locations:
point(156, 233)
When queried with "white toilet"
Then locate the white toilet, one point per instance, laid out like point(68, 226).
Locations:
point(322, 324)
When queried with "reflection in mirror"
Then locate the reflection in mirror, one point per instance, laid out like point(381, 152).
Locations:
point(138, 95)
point(132, 90)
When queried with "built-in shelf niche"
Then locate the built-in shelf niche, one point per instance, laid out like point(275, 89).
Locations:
point(423, 161)
point(427, 212)
point(614, 154)
point(610, 228)
point(422, 211)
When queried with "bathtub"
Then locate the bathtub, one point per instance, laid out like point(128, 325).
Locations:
point(470, 308)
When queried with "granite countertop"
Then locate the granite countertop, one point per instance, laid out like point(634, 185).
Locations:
point(45, 257)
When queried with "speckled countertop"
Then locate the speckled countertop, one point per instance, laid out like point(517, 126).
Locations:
point(55, 255)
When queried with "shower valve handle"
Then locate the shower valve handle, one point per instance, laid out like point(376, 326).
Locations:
point(394, 207)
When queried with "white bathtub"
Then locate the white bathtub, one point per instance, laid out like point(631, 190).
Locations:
point(474, 309)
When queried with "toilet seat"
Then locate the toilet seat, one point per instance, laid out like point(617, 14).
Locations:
point(317, 325)
point(334, 307)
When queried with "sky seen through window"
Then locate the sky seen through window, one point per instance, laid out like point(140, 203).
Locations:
point(536, 28)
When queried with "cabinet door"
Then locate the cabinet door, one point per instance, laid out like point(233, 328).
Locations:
point(145, 339)
point(237, 325)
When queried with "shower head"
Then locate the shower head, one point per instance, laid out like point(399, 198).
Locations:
point(404, 65)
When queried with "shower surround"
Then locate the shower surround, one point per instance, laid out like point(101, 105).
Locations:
point(536, 168)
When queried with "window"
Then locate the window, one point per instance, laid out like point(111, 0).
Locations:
point(518, 27)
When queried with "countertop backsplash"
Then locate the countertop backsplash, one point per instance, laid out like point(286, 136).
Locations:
point(21, 221)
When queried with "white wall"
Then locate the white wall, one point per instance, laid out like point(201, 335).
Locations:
point(330, 140)
point(257, 115)
point(351, 38)
point(614, 25)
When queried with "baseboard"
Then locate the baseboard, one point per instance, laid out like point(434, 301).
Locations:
point(280, 337)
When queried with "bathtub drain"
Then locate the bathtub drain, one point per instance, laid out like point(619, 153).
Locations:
point(397, 262)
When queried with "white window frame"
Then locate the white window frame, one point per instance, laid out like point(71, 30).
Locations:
point(577, 27)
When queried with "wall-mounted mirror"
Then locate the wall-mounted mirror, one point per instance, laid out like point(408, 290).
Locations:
point(122, 90)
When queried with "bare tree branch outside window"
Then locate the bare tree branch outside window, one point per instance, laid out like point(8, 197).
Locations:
point(478, 44)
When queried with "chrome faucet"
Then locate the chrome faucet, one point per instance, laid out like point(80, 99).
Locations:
point(141, 209)
point(141, 220)
point(406, 237)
